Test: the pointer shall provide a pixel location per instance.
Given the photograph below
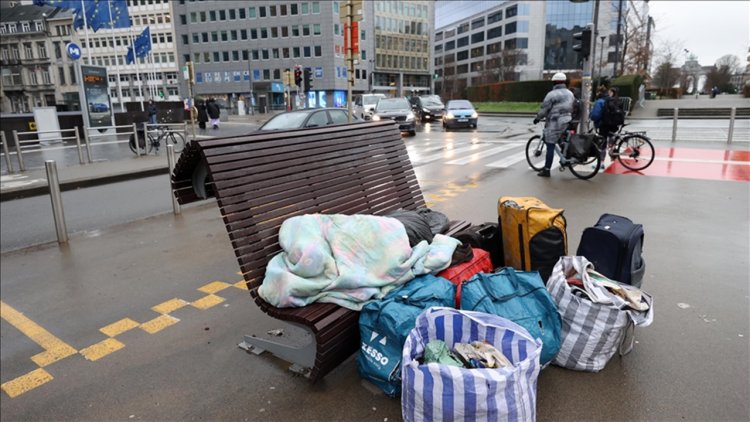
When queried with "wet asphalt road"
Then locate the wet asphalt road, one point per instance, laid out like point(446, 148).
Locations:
point(691, 364)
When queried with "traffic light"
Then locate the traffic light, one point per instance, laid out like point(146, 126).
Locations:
point(308, 80)
point(582, 43)
point(297, 76)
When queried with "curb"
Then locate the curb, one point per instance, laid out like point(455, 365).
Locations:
point(69, 185)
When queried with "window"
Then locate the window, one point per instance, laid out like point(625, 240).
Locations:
point(264, 53)
point(285, 52)
point(204, 36)
point(235, 56)
point(27, 51)
point(293, 9)
point(245, 55)
point(253, 34)
point(275, 53)
point(478, 37)
point(282, 10)
point(462, 55)
point(450, 45)
point(316, 29)
point(462, 42)
point(295, 52)
point(511, 11)
point(214, 36)
point(183, 20)
point(243, 34)
point(256, 55)
point(274, 32)
point(222, 15)
point(305, 8)
point(251, 13)
point(72, 73)
point(203, 16)
point(306, 51)
point(262, 11)
point(477, 66)
point(439, 36)
point(193, 17)
point(225, 56)
point(25, 27)
point(510, 28)
point(61, 75)
point(305, 30)
point(212, 15)
point(232, 14)
point(272, 10)
point(217, 57)
point(461, 69)
point(495, 32)
point(266, 74)
point(463, 28)
point(494, 48)
point(295, 30)
point(264, 33)
point(197, 57)
point(241, 13)
point(318, 51)
point(477, 52)
point(284, 31)
point(33, 78)
point(522, 26)
point(495, 17)
point(315, 7)
point(196, 38)
point(56, 47)
point(477, 23)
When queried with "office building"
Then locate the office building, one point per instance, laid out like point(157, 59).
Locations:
point(35, 70)
point(488, 41)
point(239, 47)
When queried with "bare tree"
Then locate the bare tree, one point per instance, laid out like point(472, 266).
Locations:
point(732, 63)
point(721, 74)
point(666, 74)
point(636, 49)
point(502, 66)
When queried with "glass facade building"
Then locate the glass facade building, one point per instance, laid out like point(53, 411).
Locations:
point(563, 19)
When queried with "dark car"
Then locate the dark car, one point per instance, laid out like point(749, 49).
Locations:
point(428, 107)
point(459, 113)
point(399, 110)
point(312, 117)
point(98, 107)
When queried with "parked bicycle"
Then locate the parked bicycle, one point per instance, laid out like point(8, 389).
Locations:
point(581, 168)
point(154, 142)
point(633, 150)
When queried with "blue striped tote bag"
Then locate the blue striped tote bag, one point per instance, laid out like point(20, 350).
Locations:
point(436, 392)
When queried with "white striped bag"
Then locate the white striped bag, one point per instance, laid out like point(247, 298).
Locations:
point(436, 392)
point(592, 332)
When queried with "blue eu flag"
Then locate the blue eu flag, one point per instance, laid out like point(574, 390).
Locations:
point(99, 13)
point(130, 58)
point(143, 43)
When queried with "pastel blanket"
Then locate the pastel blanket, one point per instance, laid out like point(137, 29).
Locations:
point(348, 260)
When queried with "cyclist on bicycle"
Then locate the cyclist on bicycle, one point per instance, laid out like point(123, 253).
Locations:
point(557, 109)
point(597, 116)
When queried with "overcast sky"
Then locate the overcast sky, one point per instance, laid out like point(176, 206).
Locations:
point(709, 29)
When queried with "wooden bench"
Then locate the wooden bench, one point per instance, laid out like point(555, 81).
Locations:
point(263, 178)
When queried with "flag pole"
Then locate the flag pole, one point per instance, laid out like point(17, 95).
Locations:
point(137, 68)
point(86, 32)
point(153, 72)
point(117, 60)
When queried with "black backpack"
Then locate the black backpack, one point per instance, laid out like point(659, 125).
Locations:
point(613, 115)
point(615, 246)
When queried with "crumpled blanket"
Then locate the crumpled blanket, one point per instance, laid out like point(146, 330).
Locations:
point(348, 260)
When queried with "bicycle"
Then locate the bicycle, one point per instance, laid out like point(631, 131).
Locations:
point(633, 150)
point(163, 132)
point(581, 168)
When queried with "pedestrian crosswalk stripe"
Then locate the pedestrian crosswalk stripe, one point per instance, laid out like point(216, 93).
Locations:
point(483, 154)
point(508, 161)
point(443, 154)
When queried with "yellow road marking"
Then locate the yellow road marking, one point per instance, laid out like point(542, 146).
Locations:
point(101, 349)
point(207, 302)
point(159, 323)
point(26, 382)
point(214, 286)
point(169, 306)
point(242, 284)
point(54, 348)
point(116, 328)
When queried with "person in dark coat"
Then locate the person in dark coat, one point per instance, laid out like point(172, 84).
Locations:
point(213, 113)
point(202, 113)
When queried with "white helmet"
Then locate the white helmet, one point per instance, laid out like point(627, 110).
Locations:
point(559, 77)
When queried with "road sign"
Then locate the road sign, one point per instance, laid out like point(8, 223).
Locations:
point(74, 51)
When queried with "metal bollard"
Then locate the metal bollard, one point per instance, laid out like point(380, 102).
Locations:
point(88, 144)
point(674, 124)
point(135, 137)
point(5, 151)
point(56, 197)
point(145, 138)
point(19, 155)
point(170, 162)
point(78, 144)
point(731, 125)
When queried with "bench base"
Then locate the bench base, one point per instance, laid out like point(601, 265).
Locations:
point(302, 357)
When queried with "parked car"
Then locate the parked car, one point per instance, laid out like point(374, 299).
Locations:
point(459, 113)
point(364, 104)
point(312, 117)
point(399, 110)
point(428, 107)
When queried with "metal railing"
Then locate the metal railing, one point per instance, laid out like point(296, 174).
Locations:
point(155, 130)
point(90, 133)
point(695, 129)
point(6, 153)
point(27, 146)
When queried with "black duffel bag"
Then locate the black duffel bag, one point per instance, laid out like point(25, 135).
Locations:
point(581, 147)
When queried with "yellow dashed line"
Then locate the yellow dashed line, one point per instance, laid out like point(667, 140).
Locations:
point(242, 284)
point(159, 323)
point(169, 306)
point(207, 302)
point(26, 382)
point(101, 349)
point(119, 327)
point(54, 348)
point(214, 286)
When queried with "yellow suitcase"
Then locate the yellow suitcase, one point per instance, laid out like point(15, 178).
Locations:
point(534, 235)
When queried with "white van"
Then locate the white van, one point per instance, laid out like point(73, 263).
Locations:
point(365, 104)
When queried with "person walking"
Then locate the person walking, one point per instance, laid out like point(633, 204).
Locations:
point(213, 112)
point(152, 112)
point(202, 113)
point(556, 109)
point(596, 115)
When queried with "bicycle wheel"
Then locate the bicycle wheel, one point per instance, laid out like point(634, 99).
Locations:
point(535, 153)
point(585, 169)
point(141, 143)
point(176, 139)
point(635, 152)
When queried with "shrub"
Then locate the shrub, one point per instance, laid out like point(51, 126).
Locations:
point(746, 91)
point(628, 85)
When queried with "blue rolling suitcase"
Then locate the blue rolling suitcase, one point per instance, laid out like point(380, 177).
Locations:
point(615, 245)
